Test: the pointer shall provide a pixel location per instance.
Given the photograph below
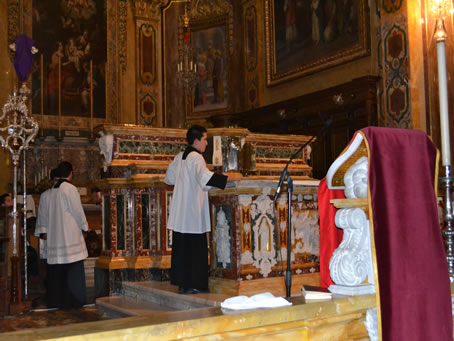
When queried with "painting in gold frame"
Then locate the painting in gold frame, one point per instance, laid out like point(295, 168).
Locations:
point(303, 37)
point(210, 45)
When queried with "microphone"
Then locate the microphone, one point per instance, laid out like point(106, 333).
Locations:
point(281, 181)
point(327, 123)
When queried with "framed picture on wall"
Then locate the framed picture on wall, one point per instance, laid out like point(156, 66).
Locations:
point(210, 47)
point(307, 36)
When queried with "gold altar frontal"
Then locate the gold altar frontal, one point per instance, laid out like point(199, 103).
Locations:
point(248, 242)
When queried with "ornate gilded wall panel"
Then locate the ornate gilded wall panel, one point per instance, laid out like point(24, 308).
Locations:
point(393, 65)
point(147, 78)
point(251, 55)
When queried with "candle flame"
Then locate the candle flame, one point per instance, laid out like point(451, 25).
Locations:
point(441, 7)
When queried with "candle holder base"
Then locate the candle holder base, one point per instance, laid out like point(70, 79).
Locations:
point(448, 232)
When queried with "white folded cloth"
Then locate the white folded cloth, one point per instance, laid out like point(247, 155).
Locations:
point(263, 300)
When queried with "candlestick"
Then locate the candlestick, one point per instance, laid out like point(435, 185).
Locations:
point(443, 94)
point(440, 8)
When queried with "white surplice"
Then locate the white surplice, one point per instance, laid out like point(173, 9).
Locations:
point(65, 242)
point(189, 209)
point(42, 222)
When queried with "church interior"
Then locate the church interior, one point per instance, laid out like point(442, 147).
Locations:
point(280, 85)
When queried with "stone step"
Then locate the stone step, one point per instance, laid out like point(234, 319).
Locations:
point(148, 297)
point(121, 306)
point(165, 294)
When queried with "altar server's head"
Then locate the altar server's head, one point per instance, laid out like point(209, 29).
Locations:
point(197, 137)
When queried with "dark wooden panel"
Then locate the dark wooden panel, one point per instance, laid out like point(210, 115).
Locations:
point(334, 114)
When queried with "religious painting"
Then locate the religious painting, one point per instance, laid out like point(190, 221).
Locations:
point(210, 51)
point(70, 75)
point(303, 37)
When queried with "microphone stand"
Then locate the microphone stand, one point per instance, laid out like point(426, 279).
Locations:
point(285, 176)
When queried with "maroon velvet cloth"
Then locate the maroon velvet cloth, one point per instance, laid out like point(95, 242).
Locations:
point(330, 235)
point(415, 296)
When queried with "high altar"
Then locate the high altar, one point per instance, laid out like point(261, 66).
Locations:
point(247, 253)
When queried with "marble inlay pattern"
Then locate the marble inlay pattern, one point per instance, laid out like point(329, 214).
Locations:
point(146, 147)
point(121, 221)
point(223, 237)
point(145, 144)
point(142, 224)
point(270, 152)
point(107, 232)
point(255, 240)
point(263, 241)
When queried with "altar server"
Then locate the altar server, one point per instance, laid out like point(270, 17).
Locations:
point(42, 222)
point(189, 217)
point(66, 248)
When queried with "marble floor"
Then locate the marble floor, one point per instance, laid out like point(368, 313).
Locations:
point(40, 317)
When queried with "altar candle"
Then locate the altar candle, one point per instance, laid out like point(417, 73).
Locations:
point(443, 93)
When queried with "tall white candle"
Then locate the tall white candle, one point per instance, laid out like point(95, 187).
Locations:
point(443, 91)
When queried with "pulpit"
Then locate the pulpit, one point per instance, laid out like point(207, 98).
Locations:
point(248, 241)
point(392, 241)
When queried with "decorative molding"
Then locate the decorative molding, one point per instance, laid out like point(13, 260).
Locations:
point(14, 22)
point(147, 37)
point(251, 53)
point(391, 6)
point(148, 110)
point(122, 33)
point(147, 8)
point(112, 74)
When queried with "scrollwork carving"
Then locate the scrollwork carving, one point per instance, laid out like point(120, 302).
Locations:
point(147, 8)
point(351, 261)
point(355, 179)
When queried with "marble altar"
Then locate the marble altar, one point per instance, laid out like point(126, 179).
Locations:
point(244, 244)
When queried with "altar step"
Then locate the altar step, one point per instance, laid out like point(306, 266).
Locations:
point(151, 297)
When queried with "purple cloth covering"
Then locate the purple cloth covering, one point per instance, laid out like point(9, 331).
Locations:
point(414, 286)
point(24, 57)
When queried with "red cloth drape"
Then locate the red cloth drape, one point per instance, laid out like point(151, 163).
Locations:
point(414, 287)
point(330, 235)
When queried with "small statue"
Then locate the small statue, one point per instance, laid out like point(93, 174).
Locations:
point(106, 146)
point(232, 163)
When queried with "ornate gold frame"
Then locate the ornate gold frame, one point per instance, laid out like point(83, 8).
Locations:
point(340, 56)
point(19, 20)
point(220, 21)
